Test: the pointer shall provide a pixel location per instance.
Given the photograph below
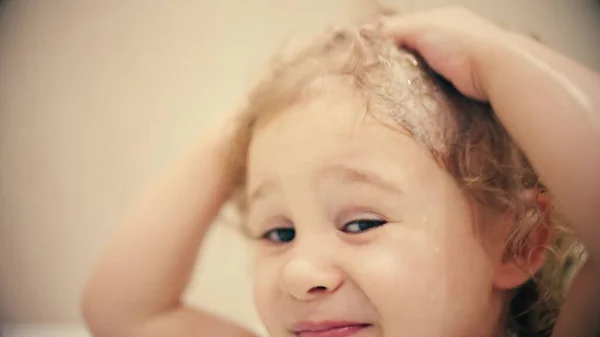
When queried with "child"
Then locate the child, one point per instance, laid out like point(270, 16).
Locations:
point(382, 201)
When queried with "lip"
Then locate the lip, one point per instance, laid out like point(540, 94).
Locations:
point(329, 329)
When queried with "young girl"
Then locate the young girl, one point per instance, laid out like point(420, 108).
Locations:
point(382, 201)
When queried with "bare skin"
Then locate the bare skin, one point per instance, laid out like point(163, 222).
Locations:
point(551, 109)
point(147, 266)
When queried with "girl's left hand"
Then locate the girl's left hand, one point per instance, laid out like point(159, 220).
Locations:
point(451, 41)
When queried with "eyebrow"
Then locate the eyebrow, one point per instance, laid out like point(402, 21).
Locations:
point(351, 175)
point(347, 174)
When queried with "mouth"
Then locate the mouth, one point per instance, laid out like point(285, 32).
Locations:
point(329, 329)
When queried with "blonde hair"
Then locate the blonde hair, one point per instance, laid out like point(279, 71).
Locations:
point(463, 135)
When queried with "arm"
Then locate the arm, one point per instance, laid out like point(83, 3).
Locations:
point(136, 288)
point(551, 106)
point(548, 103)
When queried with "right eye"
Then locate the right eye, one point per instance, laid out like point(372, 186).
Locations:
point(280, 235)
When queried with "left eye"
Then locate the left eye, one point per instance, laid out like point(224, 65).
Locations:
point(362, 225)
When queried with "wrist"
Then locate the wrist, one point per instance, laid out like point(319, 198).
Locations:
point(487, 61)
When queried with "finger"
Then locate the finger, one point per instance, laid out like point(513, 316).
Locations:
point(409, 30)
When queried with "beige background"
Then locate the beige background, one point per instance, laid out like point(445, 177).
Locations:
point(97, 97)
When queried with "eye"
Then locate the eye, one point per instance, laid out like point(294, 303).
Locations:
point(280, 235)
point(362, 225)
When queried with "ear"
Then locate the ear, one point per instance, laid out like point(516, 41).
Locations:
point(516, 267)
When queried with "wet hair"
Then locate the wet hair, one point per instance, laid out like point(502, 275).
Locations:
point(463, 136)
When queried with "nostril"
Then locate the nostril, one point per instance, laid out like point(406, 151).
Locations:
point(318, 289)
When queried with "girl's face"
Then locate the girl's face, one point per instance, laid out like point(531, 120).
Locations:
point(361, 232)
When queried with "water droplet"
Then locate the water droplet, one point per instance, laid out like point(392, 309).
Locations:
point(436, 249)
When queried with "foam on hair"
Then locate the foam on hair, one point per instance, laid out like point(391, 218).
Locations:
point(462, 135)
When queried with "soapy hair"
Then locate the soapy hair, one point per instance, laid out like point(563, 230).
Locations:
point(463, 136)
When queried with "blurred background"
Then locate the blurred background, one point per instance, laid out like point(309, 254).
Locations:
point(98, 97)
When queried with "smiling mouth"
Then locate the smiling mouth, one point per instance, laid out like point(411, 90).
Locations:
point(330, 329)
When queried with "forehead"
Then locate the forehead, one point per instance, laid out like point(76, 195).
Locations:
point(330, 129)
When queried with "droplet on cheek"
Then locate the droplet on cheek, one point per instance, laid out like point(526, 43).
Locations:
point(436, 250)
point(432, 298)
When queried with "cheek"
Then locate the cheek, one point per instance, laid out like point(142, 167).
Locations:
point(416, 282)
point(430, 268)
point(459, 264)
point(400, 270)
point(265, 289)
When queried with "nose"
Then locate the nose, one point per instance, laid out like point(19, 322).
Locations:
point(305, 279)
